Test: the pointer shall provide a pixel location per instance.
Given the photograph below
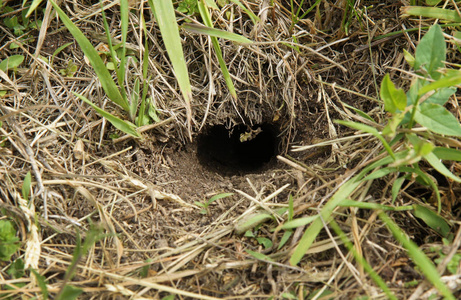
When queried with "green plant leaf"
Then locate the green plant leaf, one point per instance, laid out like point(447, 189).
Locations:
point(125, 126)
point(252, 16)
point(204, 13)
point(450, 15)
point(103, 74)
point(396, 187)
point(26, 186)
point(16, 269)
point(41, 280)
point(380, 173)
point(441, 96)
point(11, 62)
point(434, 161)
point(452, 79)
point(252, 221)
point(295, 223)
point(219, 196)
point(432, 219)
point(8, 240)
point(392, 97)
point(418, 257)
point(431, 52)
point(437, 119)
point(166, 19)
point(267, 243)
point(341, 194)
point(200, 29)
point(447, 153)
point(369, 129)
point(70, 292)
point(285, 237)
point(409, 58)
point(258, 255)
point(33, 7)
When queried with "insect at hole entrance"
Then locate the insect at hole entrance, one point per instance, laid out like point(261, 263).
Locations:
point(239, 149)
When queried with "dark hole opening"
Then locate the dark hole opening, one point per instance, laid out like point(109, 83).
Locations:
point(241, 149)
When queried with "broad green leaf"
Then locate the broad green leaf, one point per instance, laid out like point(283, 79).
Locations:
point(392, 97)
point(435, 162)
point(26, 186)
point(454, 78)
point(432, 12)
point(166, 19)
point(8, 240)
point(437, 119)
point(418, 257)
point(431, 52)
point(447, 153)
point(259, 256)
point(295, 223)
point(432, 219)
point(11, 62)
point(125, 126)
point(200, 29)
point(441, 96)
point(103, 74)
point(267, 243)
point(432, 2)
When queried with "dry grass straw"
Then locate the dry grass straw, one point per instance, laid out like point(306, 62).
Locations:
point(73, 187)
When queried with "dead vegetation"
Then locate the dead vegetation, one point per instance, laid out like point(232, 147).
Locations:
point(135, 198)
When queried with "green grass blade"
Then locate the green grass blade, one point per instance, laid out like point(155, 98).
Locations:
point(361, 260)
point(341, 194)
point(313, 230)
point(418, 257)
point(124, 26)
point(208, 22)
point(369, 129)
point(252, 16)
point(166, 18)
point(432, 12)
point(125, 126)
point(103, 74)
point(33, 7)
point(434, 161)
point(200, 29)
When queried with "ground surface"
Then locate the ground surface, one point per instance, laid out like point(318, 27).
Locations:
point(142, 192)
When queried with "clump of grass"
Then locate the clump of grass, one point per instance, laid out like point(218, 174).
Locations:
point(406, 145)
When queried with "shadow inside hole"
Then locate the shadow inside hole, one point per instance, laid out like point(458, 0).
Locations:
point(240, 149)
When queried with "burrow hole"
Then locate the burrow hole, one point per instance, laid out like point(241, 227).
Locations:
point(240, 149)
